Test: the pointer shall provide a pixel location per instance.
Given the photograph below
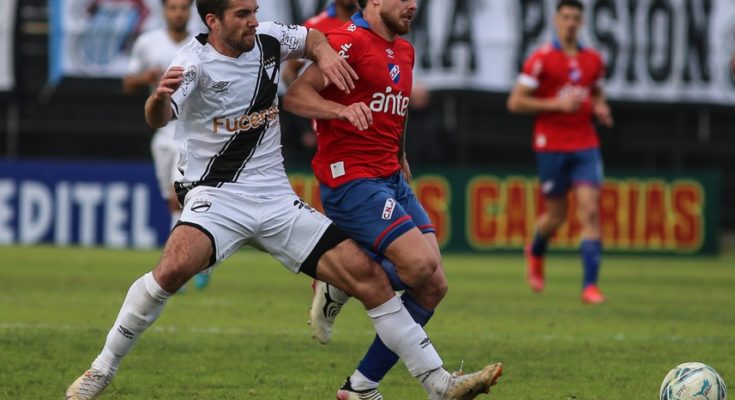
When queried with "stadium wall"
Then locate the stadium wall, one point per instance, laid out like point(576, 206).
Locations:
point(118, 205)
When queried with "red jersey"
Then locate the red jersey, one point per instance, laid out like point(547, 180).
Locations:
point(551, 72)
point(385, 69)
point(326, 20)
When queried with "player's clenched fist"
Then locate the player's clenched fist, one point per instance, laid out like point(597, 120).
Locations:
point(358, 114)
point(170, 81)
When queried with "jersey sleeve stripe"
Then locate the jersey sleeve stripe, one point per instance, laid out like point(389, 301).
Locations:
point(528, 81)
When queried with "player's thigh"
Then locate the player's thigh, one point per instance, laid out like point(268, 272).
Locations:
point(290, 230)
point(586, 168)
point(413, 207)
point(368, 211)
point(413, 257)
point(554, 174)
point(226, 218)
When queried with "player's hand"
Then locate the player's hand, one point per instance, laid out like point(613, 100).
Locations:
point(405, 169)
point(603, 114)
point(335, 69)
point(569, 102)
point(170, 82)
point(358, 114)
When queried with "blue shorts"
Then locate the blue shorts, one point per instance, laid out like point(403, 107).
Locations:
point(375, 212)
point(559, 171)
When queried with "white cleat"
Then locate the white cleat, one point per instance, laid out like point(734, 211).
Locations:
point(325, 306)
point(88, 386)
point(468, 386)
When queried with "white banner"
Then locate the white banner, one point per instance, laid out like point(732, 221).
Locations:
point(663, 51)
point(7, 28)
point(93, 38)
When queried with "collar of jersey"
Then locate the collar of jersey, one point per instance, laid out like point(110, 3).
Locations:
point(332, 10)
point(360, 21)
point(556, 43)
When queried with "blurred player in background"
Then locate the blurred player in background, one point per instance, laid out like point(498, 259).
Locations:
point(152, 53)
point(304, 139)
point(561, 83)
point(363, 173)
point(335, 15)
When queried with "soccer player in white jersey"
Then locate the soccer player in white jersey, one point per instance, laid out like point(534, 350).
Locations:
point(221, 88)
point(152, 53)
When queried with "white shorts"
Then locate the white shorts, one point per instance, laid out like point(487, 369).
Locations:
point(284, 226)
point(166, 153)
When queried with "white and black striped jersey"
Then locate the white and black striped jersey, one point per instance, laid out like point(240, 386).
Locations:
point(227, 111)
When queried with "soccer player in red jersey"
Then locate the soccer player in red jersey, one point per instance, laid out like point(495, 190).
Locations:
point(560, 82)
point(334, 16)
point(362, 169)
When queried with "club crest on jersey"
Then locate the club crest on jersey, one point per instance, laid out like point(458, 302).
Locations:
point(388, 208)
point(395, 72)
point(201, 206)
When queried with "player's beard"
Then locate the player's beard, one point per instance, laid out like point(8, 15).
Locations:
point(395, 24)
point(241, 42)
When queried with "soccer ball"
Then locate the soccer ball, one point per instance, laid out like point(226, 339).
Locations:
point(693, 381)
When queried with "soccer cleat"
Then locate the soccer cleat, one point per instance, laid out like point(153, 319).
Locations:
point(346, 392)
point(324, 310)
point(467, 387)
point(535, 270)
point(88, 386)
point(592, 295)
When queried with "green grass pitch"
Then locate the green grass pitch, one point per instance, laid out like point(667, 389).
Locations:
point(245, 336)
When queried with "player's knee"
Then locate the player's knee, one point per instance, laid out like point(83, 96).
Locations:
point(589, 213)
point(172, 274)
point(433, 291)
point(419, 271)
point(557, 219)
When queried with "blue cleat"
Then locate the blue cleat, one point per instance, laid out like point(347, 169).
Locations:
point(201, 281)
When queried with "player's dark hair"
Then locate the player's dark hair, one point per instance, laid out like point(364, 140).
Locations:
point(216, 7)
point(570, 3)
point(163, 2)
point(362, 3)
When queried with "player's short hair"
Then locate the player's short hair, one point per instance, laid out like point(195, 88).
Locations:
point(163, 2)
point(216, 7)
point(569, 3)
point(362, 3)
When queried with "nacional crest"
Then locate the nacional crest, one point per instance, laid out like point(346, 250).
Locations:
point(395, 72)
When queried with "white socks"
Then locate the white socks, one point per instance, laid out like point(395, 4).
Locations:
point(141, 307)
point(337, 294)
point(358, 381)
point(400, 333)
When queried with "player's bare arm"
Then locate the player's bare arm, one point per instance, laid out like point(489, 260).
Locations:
point(291, 71)
point(303, 99)
point(158, 106)
point(402, 159)
point(523, 101)
point(336, 70)
point(601, 109)
point(133, 83)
